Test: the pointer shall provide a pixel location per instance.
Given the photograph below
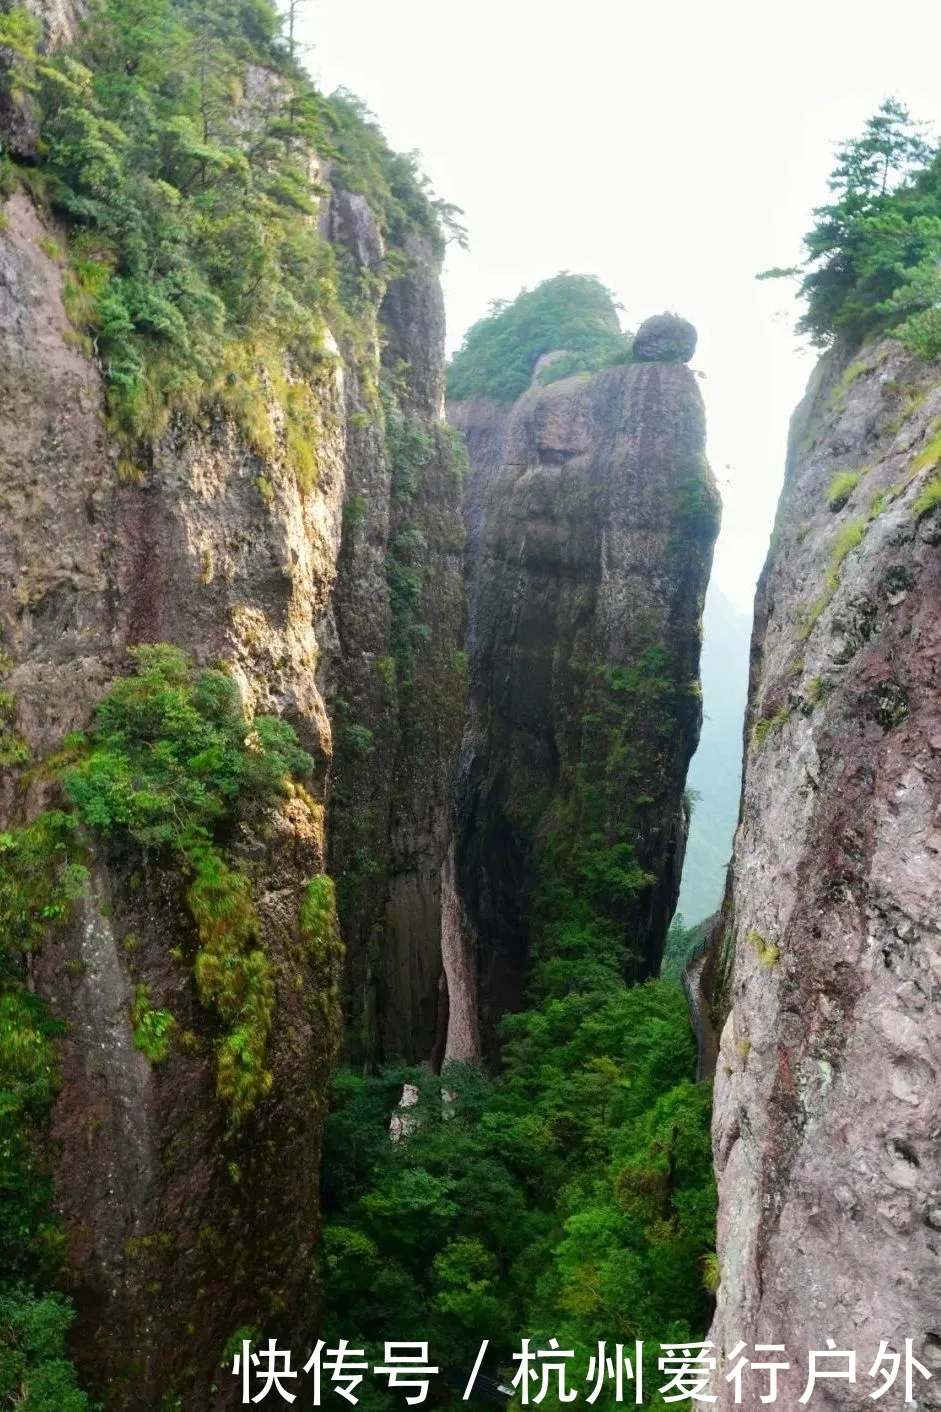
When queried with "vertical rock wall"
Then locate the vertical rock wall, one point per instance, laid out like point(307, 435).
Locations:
point(398, 681)
point(181, 1232)
point(827, 1101)
point(591, 520)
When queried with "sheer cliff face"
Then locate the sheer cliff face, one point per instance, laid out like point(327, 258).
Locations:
point(591, 517)
point(179, 1232)
point(827, 1101)
point(399, 684)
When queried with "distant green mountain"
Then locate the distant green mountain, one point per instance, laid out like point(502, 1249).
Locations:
point(715, 776)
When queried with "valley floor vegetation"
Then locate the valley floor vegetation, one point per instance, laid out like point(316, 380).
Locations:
point(570, 1197)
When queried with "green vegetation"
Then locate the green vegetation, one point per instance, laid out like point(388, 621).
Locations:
point(170, 765)
point(153, 1029)
point(570, 1198)
point(35, 1372)
point(849, 538)
point(20, 31)
point(39, 880)
point(40, 877)
point(696, 506)
point(930, 455)
point(359, 738)
point(842, 487)
point(809, 614)
point(410, 449)
point(682, 942)
point(570, 313)
point(320, 931)
point(873, 257)
point(195, 262)
point(768, 954)
point(767, 724)
point(170, 759)
point(929, 497)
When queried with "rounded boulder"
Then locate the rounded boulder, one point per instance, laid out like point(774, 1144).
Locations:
point(666, 338)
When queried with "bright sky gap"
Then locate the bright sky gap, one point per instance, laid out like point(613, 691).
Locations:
point(674, 151)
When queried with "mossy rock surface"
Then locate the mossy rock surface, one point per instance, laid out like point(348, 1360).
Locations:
point(665, 338)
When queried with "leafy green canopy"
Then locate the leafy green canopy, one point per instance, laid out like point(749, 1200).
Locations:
point(35, 1372)
point(570, 312)
point(571, 1198)
point(34, 1369)
point(39, 880)
point(180, 139)
point(873, 261)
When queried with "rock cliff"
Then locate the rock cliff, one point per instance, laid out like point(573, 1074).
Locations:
point(826, 1101)
point(591, 516)
point(236, 832)
point(333, 594)
point(398, 683)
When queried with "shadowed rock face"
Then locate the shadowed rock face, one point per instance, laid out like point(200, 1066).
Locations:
point(179, 1235)
point(395, 671)
point(827, 1096)
point(591, 517)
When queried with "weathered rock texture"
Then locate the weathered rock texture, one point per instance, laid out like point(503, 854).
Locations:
point(591, 517)
point(399, 683)
point(178, 1234)
point(827, 1109)
point(60, 19)
point(665, 338)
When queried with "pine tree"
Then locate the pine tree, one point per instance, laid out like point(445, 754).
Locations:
point(890, 147)
point(292, 12)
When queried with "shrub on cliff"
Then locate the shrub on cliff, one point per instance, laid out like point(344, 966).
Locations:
point(172, 750)
point(35, 1372)
point(172, 756)
point(574, 313)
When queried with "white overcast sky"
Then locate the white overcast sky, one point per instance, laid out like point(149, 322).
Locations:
point(674, 149)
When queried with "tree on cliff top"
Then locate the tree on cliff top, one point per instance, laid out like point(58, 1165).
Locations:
point(872, 256)
point(179, 138)
point(499, 353)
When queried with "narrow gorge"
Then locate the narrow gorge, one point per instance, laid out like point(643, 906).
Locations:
point(347, 702)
